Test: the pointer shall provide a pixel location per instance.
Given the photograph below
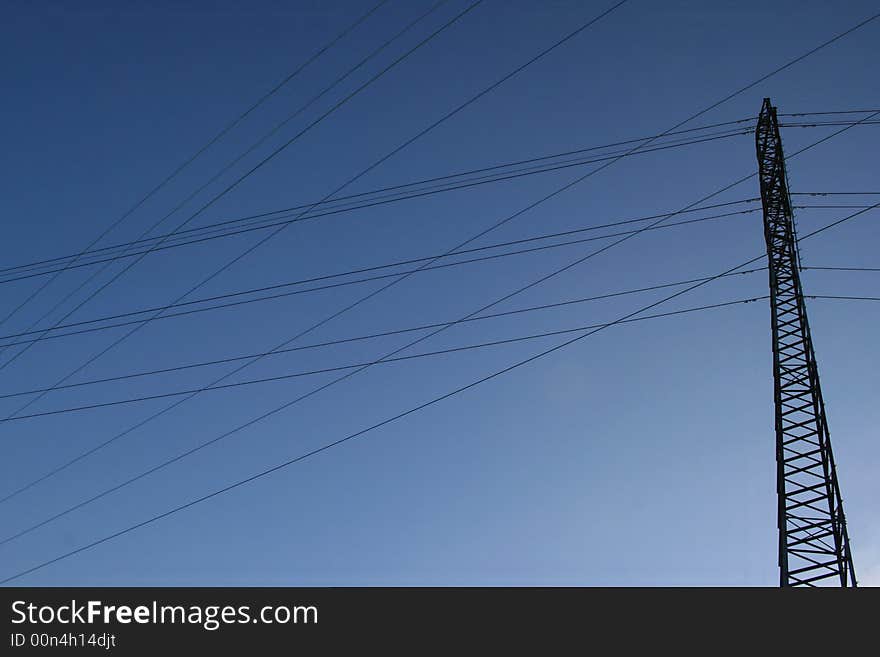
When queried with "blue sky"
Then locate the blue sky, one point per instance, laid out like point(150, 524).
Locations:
point(641, 455)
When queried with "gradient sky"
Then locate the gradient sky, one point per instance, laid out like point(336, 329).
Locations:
point(643, 455)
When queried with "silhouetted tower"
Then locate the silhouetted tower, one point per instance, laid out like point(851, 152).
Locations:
point(813, 543)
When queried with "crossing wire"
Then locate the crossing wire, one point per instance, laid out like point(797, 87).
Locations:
point(229, 188)
point(371, 336)
point(819, 124)
point(223, 132)
point(218, 234)
point(236, 182)
point(349, 197)
point(843, 298)
point(864, 111)
point(402, 277)
point(844, 268)
point(228, 166)
point(551, 195)
point(826, 206)
point(351, 272)
point(351, 180)
point(325, 370)
point(327, 446)
point(424, 131)
point(475, 383)
point(422, 327)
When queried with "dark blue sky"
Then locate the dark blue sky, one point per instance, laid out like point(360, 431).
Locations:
point(641, 455)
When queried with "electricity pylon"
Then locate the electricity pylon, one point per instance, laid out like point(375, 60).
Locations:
point(813, 543)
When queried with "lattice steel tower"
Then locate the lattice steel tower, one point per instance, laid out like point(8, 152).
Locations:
point(813, 543)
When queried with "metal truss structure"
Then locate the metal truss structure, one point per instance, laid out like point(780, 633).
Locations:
point(813, 542)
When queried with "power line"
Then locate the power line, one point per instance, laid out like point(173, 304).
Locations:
point(348, 197)
point(320, 288)
point(558, 191)
point(210, 229)
point(844, 298)
point(826, 207)
point(325, 370)
point(399, 263)
point(819, 124)
point(631, 232)
point(345, 376)
point(375, 292)
point(422, 327)
point(223, 132)
point(231, 164)
point(234, 184)
point(378, 291)
point(844, 268)
point(492, 376)
point(463, 348)
point(351, 180)
point(436, 399)
point(352, 436)
point(865, 111)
